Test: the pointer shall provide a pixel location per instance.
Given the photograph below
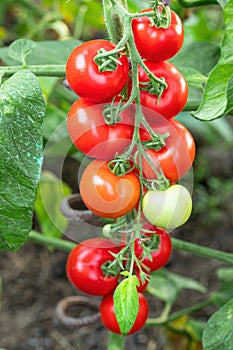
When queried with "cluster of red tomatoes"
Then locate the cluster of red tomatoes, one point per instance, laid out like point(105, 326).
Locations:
point(99, 80)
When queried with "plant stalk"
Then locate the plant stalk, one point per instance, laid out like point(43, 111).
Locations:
point(202, 251)
point(178, 314)
point(178, 244)
point(48, 70)
point(58, 243)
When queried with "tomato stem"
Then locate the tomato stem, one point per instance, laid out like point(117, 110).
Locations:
point(177, 244)
point(116, 341)
point(165, 319)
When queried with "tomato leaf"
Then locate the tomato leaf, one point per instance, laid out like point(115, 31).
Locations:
point(47, 206)
point(218, 96)
point(166, 285)
point(21, 114)
point(20, 49)
point(46, 52)
point(218, 333)
point(201, 56)
point(126, 303)
point(225, 276)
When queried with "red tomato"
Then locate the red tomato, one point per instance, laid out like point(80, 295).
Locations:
point(109, 320)
point(173, 98)
point(160, 256)
point(87, 81)
point(106, 194)
point(92, 136)
point(176, 157)
point(158, 44)
point(84, 266)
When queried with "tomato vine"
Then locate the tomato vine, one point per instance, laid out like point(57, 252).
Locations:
point(132, 166)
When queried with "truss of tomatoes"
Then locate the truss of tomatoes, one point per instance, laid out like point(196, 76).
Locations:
point(111, 196)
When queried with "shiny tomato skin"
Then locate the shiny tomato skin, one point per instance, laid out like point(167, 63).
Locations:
point(169, 208)
point(84, 263)
point(173, 98)
point(109, 320)
point(92, 136)
point(87, 81)
point(158, 44)
point(160, 256)
point(176, 157)
point(106, 194)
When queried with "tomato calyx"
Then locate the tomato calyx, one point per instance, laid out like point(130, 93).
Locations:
point(120, 166)
point(147, 245)
point(110, 269)
point(154, 87)
point(162, 17)
point(160, 184)
point(111, 113)
point(107, 61)
point(157, 142)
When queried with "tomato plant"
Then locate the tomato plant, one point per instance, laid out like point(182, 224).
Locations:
point(108, 317)
point(156, 43)
point(167, 209)
point(106, 194)
point(128, 96)
point(173, 98)
point(92, 136)
point(86, 77)
point(85, 266)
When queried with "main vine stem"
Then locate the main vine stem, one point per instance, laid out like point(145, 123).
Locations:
point(178, 244)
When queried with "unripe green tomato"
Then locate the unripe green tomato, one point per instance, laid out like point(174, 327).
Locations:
point(106, 230)
point(167, 209)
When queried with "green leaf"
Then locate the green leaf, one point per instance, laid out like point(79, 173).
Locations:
point(47, 206)
point(55, 132)
point(166, 285)
point(21, 116)
point(217, 99)
point(218, 333)
point(20, 49)
point(193, 77)
point(126, 303)
point(195, 328)
point(218, 130)
point(201, 56)
point(46, 52)
point(225, 276)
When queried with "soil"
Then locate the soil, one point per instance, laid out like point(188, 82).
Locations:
point(34, 280)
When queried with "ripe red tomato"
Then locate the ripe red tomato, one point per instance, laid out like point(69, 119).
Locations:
point(108, 317)
point(160, 256)
point(173, 98)
point(107, 194)
point(84, 266)
point(92, 136)
point(87, 81)
point(158, 44)
point(176, 157)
